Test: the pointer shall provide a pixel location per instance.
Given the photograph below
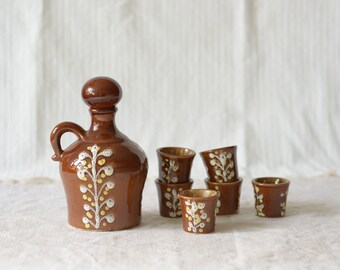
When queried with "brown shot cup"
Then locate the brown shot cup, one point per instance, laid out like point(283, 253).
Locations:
point(221, 164)
point(169, 204)
point(198, 210)
point(270, 196)
point(175, 164)
point(229, 201)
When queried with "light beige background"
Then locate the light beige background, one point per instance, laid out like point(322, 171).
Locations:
point(260, 74)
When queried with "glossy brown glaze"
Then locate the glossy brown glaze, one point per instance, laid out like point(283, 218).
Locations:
point(169, 204)
point(103, 171)
point(229, 201)
point(270, 196)
point(175, 164)
point(221, 164)
point(198, 210)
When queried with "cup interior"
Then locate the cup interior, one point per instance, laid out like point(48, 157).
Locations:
point(226, 148)
point(177, 151)
point(202, 193)
point(240, 179)
point(271, 181)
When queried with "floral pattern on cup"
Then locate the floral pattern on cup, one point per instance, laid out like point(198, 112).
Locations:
point(196, 215)
point(169, 167)
point(283, 204)
point(229, 196)
point(224, 166)
point(169, 202)
point(259, 203)
point(218, 205)
point(173, 202)
point(270, 196)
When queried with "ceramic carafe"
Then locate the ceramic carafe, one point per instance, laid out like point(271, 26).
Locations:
point(103, 171)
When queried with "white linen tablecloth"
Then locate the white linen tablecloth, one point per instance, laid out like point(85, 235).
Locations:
point(34, 233)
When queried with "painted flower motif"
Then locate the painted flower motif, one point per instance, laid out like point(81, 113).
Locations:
point(259, 202)
point(90, 167)
point(94, 149)
point(82, 156)
point(81, 174)
point(218, 206)
point(110, 218)
point(107, 153)
point(108, 170)
point(169, 169)
point(283, 208)
point(83, 189)
point(196, 215)
point(110, 203)
point(86, 220)
point(201, 205)
point(110, 185)
point(260, 198)
point(173, 202)
point(223, 165)
point(194, 206)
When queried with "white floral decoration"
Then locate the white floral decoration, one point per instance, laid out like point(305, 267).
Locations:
point(196, 215)
point(95, 192)
point(224, 166)
point(173, 202)
point(169, 167)
point(259, 202)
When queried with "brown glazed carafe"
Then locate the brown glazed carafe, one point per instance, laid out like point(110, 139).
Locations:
point(103, 171)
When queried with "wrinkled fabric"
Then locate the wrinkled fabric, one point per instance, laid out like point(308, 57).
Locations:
point(263, 75)
point(34, 233)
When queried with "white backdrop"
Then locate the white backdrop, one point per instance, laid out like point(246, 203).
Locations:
point(202, 74)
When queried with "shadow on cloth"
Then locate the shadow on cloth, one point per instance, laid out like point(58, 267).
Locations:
point(246, 220)
point(228, 224)
point(295, 208)
point(153, 219)
point(312, 208)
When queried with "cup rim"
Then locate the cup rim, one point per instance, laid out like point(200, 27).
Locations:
point(213, 196)
point(285, 181)
point(192, 154)
point(218, 149)
point(239, 179)
point(157, 181)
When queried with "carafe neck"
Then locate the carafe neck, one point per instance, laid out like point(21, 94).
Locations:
point(103, 124)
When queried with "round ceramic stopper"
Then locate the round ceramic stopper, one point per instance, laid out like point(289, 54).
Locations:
point(101, 93)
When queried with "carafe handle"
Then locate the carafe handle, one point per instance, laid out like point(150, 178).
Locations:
point(58, 131)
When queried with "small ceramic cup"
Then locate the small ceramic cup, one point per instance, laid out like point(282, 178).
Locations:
point(229, 201)
point(270, 196)
point(169, 204)
point(198, 210)
point(221, 164)
point(175, 164)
